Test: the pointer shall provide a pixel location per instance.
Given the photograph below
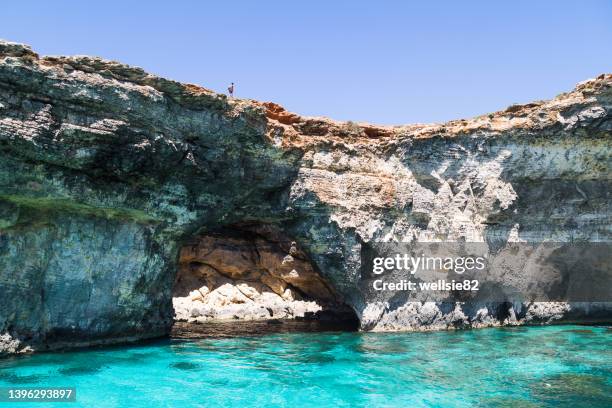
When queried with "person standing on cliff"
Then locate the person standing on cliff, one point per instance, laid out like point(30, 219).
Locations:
point(230, 89)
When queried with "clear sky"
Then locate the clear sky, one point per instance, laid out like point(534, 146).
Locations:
point(389, 62)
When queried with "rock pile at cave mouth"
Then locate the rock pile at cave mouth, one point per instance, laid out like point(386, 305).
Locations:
point(244, 276)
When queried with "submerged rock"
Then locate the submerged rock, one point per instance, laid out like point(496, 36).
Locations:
point(106, 172)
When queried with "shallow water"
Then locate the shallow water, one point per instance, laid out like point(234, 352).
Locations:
point(518, 367)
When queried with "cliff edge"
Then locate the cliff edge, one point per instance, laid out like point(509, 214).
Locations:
point(107, 172)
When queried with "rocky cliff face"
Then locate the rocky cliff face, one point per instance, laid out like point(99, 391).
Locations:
point(249, 275)
point(106, 172)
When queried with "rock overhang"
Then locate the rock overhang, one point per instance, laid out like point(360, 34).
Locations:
point(87, 142)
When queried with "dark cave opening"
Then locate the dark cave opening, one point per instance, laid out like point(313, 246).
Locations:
point(252, 279)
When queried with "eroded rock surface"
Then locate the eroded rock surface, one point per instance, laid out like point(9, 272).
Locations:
point(242, 275)
point(106, 171)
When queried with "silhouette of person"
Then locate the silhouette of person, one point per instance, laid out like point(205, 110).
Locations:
point(230, 89)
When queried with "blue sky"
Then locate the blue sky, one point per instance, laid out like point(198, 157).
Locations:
point(389, 62)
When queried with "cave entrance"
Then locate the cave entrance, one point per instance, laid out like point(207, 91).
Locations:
point(253, 274)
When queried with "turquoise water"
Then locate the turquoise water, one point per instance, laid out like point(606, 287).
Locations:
point(518, 367)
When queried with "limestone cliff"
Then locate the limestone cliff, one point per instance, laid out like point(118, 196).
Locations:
point(106, 171)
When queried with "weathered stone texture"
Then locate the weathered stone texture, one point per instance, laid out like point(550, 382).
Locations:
point(106, 171)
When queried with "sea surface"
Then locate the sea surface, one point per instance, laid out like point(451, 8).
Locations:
point(553, 366)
